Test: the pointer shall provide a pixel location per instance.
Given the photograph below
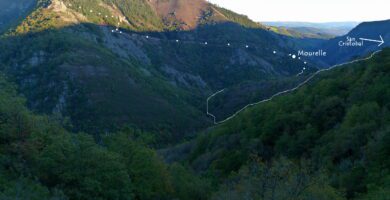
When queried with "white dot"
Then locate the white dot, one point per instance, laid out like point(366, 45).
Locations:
point(147, 36)
point(246, 46)
point(80, 7)
point(293, 56)
point(120, 32)
point(206, 43)
point(177, 40)
point(299, 58)
point(304, 68)
point(274, 52)
point(90, 10)
point(112, 30)
point(289, 54)
point(228, 44)
point(100, 13)
point(305, 63)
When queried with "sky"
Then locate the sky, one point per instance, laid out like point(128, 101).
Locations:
point(309, 10)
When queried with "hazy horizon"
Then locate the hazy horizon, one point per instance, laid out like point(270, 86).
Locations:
point(327, 22)
point(313, 11)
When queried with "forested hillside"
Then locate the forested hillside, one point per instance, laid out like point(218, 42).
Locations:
point(40, 160)
point(328, 140)
point(68, 60)
point(109, 100)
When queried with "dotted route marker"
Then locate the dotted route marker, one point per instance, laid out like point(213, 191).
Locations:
point(307, 80)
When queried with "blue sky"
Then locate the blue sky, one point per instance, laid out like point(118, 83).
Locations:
point(310, 10)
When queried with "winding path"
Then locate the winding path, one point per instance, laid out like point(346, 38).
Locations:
point(282, 92)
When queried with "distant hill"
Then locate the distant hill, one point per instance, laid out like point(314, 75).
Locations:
point(325, 25)
point(312, 30)
point(305, 32)
point(369, 30)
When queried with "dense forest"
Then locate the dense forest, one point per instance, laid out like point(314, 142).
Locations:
point(328, 140)
point(91, 113)
point(39, 160)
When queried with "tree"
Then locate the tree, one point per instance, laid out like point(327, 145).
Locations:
point(147, 171)
point(279, 180)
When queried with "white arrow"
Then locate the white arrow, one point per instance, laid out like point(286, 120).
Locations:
point(378, 41)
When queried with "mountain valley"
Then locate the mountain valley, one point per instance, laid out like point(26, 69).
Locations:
point(184, 99)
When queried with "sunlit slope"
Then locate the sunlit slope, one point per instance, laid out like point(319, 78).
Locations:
point(104, 80)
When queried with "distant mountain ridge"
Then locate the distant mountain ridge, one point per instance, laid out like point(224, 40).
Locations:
point(306, 32)
point(312, 30)
point(369, 30)
point(314, 24)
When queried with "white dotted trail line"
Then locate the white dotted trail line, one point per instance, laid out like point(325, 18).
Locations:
point(117, 29)
point(208, 113)
point(300, 73)
point(282, 92)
